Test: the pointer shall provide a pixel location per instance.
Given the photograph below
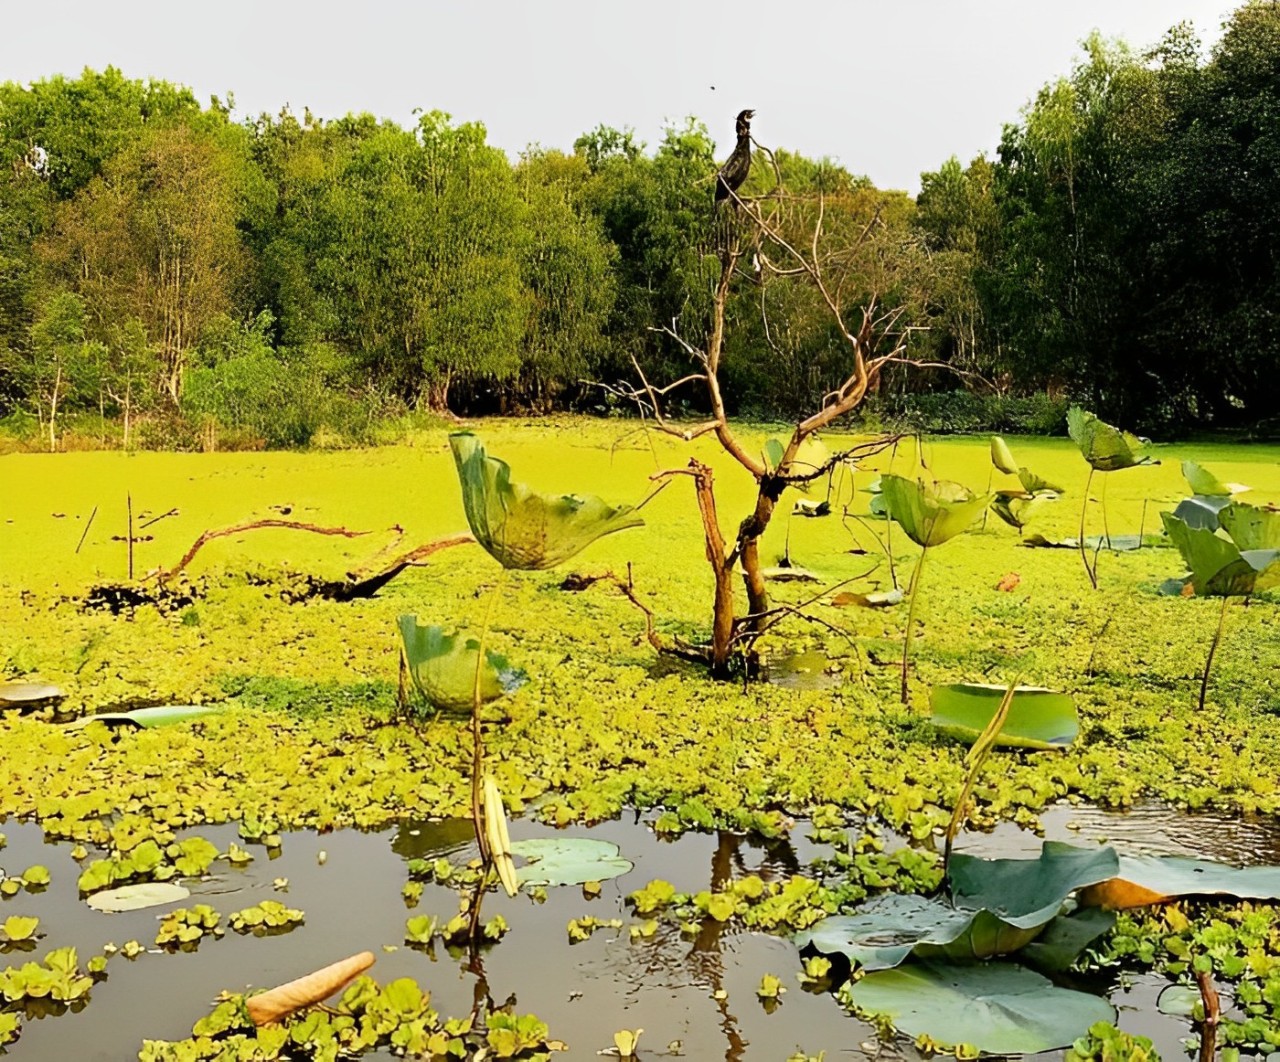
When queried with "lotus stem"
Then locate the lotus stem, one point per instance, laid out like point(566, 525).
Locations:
point(477, 739)
point(991, 475)
point(1084, 554)
point(911, 618)
point(1106, 526)
point(1213, 648)
point(978, 754)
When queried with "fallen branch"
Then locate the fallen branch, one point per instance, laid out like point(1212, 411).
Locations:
point(161, 574)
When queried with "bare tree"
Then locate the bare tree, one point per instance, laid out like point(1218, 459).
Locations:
point(765, 240)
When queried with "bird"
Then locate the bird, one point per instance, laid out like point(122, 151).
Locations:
point(736, 167)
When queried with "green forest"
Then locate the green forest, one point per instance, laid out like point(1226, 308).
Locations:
point(171, 277)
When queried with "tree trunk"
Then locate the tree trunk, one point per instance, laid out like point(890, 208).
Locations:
point(438, 393)
point(721, 570)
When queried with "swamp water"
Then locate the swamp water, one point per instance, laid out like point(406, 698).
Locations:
point(694, 997)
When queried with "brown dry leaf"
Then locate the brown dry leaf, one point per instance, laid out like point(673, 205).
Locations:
point(1116, 894)
point(846, 598)
point(1188, 590)
point(1009, 582)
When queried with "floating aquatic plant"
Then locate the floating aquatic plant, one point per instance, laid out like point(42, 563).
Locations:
point(930, 514)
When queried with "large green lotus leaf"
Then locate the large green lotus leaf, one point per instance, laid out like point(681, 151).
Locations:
point(568, 860)
point(1106, 448)
point(931, 514)
point(1038, 718)
point(1205, 483)
point(1028, 892)
point(443, 666)
point(1219, 568)
point(1153, 879)
point(1201, 511)
point(1000, 1008)
point(146, 718)
point(520, 527)
point(1251, 528)
point(20, 694)
point(1066, 937)
point(1002, 456)
point(137, 897)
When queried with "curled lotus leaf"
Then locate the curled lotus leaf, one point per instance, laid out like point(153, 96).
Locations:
point(934, 513)
point(521, 528)
point(1038, 718)
point(999, 1008)
point(147, 718)
point(1033, 483)
point(1219, 567)
point(1205, 483)
point(1106, 448)
point(443, 666)
point(1028, 892)
point(1016, 508)
point(1002, 456)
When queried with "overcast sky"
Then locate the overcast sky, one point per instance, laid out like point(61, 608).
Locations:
point(887, 87)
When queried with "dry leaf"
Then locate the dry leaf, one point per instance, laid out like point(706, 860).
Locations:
point(1009, 582)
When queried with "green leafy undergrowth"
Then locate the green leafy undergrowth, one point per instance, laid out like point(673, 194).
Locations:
point(145, 860)
point(184, 927)
point(397, 1017)
point(57, 978)
point(1238, 946)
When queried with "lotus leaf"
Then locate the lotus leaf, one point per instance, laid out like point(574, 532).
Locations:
point(1219, 568)
point(1114, 543)
point(1035, 484)
point(17, 694)
point(1251, 528)
point(1063, 939)
point(931, 514)
point(1144, 880)
point(137, 897)
point(1205, 483)
point(1002, 456)
point(999, 1008)
point(1107, 449)
point(146, 718)
point(1201, 511)
point(1016, 508)
point(1038, 718)
point(1027, 892)
point(443, 666)
point(568, 860)
point(521, 528)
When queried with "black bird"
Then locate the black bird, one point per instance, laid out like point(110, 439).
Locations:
point(738, 165)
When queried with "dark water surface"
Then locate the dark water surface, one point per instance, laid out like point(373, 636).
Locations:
point(695, 998)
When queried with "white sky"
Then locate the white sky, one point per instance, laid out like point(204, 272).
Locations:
point(888, 88)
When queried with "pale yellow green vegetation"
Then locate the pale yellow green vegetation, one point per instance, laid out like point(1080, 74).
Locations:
point(309, 737)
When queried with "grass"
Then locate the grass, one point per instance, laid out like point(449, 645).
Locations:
point(603, 723)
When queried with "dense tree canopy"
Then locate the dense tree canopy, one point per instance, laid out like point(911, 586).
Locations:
point(159, 259)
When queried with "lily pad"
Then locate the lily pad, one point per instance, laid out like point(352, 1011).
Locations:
point(137, 897)
point(1021, 890)
point(1106, 448)
point(1144, 880)
point(1000, 1008)
point(1114, 543)
point(146, 718)
point(791, 574)
point(931, 514)
point(1038, 718)
point(25, 694)
point(568, 860)
point(443, 666)
point(521, 528)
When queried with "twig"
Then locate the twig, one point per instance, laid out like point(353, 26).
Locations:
point(85, 532)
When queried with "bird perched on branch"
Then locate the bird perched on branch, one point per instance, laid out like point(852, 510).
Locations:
point(738, 165)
